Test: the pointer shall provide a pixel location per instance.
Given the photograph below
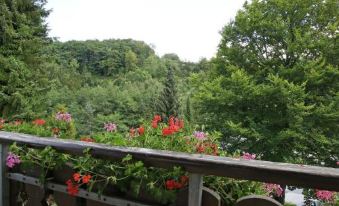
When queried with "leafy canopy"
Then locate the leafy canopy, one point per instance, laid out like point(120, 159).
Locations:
point(273, 87)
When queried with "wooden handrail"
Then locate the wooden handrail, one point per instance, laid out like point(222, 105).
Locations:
point(263, 171)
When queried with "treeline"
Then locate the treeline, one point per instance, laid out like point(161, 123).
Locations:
point(99, 81)
point(111, 81)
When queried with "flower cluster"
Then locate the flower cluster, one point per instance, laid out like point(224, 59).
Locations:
point(12, 160)
point(110, 127)
point(39, 122)
point(174, 125)
point(199, 135)
point(248, 156)
point(63, 116)
point(207, 148)
point(173, 184)
point(74, 183)
point(325, 195)
point(72, 188)
point(140, 131)
point(274, 189)
point(155, 121)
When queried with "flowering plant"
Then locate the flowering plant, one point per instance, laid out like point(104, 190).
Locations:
point(45, 160)
point(128, 176)
point(327, 198)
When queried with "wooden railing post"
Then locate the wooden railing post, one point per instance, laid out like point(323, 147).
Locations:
point(195, 189)
point(4, 182)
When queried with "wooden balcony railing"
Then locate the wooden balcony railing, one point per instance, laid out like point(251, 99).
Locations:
point(196, 164)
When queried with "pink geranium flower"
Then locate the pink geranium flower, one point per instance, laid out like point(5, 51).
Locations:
point(248, 156)
point(63, 116)
point(325, 195)
point(199, 135)
point(110, 127)
point(274, 189)
point(12, 160)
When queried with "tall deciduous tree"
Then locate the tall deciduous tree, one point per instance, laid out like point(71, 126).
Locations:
point(273, 88)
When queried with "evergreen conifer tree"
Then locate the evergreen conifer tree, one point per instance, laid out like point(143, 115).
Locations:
point(167, 104)
point(23, 34)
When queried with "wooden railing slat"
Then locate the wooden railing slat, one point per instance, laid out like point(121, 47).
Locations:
point(195, 189)
point(264, 171)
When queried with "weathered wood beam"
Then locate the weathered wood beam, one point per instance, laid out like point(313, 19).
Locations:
point(263, 171)
point(82, 192)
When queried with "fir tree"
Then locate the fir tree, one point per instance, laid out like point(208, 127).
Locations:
point(168, 101)
point(188, 114)
point(23, 34)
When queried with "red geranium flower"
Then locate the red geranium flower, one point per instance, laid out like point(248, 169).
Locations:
point(200, 148)
point(170, 184)
point(141, 130)
point(178, 185)
point(69, 181)
point(157, 118)
point(175, 128)
point(171, 121)
point(76, 177)
point(39, 122)
point(72, 189)
point(155, 121)
point(86, 178)
point(175, 124)
point(167, 131)
point(154, 124)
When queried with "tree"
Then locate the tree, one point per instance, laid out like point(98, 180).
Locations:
point(23, 34)
point(273, 87)
point(167, 104)
point(131, 60)
point(268, 34)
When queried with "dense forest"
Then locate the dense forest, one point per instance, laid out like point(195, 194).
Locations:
point(272, 89)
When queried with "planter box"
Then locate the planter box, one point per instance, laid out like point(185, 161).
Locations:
point(209, 197)
point(36, 194)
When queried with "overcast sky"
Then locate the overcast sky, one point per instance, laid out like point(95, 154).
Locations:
point(189, 28)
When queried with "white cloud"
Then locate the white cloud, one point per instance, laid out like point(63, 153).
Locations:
point(189, 28)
